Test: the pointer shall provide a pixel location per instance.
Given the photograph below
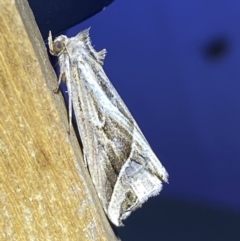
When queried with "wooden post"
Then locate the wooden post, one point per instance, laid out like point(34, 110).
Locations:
point(45, 189)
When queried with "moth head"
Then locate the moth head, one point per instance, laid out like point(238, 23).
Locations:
point(59, 44)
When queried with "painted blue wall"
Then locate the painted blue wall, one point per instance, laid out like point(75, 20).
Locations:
point(176, 64)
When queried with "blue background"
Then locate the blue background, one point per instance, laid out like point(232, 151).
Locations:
point(176, 64)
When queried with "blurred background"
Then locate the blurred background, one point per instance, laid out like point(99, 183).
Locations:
point(176, 64)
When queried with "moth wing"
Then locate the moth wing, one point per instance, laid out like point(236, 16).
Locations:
point(123, 167)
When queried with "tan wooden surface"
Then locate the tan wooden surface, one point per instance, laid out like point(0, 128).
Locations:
point(45, 189)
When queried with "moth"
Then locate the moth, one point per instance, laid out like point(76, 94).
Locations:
point(123, 168)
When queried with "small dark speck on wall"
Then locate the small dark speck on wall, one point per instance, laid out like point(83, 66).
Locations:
point(216, 48)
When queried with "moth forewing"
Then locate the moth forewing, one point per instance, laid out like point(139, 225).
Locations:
point(122, 165)
point(140, 178)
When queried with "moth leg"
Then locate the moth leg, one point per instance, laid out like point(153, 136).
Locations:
point(85, 159)
point(69, 87)
point(60, 79)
